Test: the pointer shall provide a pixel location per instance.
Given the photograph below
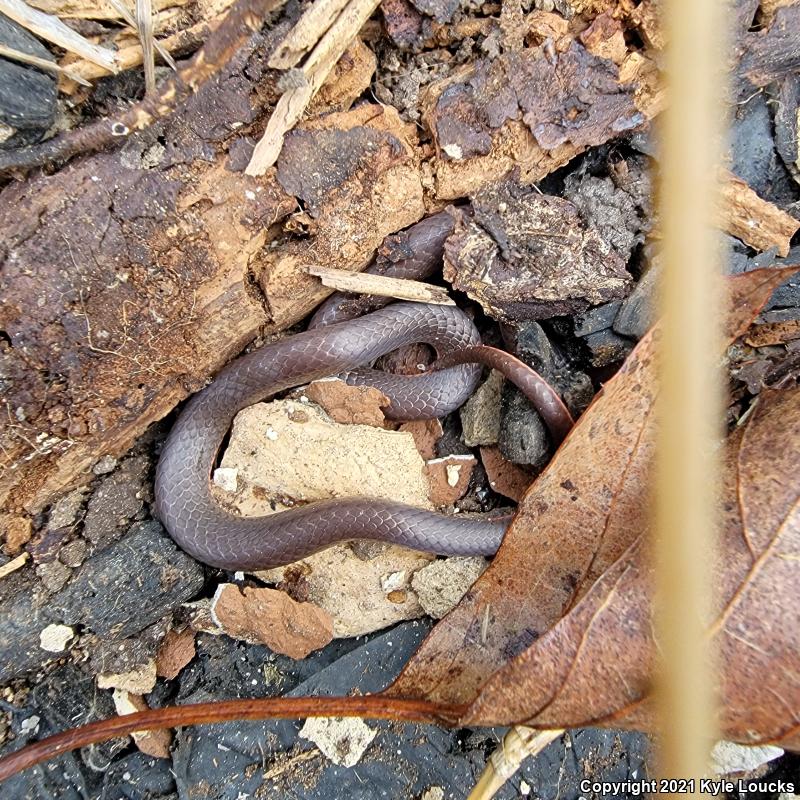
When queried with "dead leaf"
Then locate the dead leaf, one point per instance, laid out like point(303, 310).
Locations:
point(594, 666)
point(575, 523)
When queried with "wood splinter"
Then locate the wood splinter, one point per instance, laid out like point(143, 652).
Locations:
point(381, 285)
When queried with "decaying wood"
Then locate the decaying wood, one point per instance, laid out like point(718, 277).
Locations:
point(381, 285)
point(54, 30)
point(183, 41)
point(91, 9)
point(236, 28)
point(293, 103)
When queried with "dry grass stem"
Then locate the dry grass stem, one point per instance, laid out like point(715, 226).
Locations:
point(54, 30)
point(126, 15)
point(144, 25)
point(41, 63)
point(689, 405)
point(519, 743)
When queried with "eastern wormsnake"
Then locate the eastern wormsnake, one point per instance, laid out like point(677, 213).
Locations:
point(194, 519)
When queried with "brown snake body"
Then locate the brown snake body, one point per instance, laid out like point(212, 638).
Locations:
point(182, 489)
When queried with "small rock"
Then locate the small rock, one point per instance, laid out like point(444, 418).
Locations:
point(270, 617)
point(30, 725)
point(433, 793)
point(727, 757)
point(54, 638)
point(73, 554)
point(523, 437)
point(138, 681)
point(17, 531)
point(638, 310)
point(227, 479)
point(480, 415)
point(608, 347)
point(175, 652)
point(116, 502)
point(596, 319)
point(505, 478)
point(105, 465)
point(350, 405)
point(449, 478)
point(154, 743)
point(54, 575)
point(444, 582)
point(65, 512)
point(343, 741)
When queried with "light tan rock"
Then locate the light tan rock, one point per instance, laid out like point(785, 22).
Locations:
point(138, 681)
point(441, 584)
point(289, 451)
point(343, 741)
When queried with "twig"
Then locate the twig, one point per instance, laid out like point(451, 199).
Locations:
point(13, 565)
point(239, 24)
point(289, 109)
point(519, 743)
point(54, 30)
point(41, 63)
point(381, 285)
point(368, 706)
point(126, 15)
point(306, 33)
point(144, 25)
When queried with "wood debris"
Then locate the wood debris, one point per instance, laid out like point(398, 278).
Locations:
point(381, 285)
point(154, 743)
point(175, 652)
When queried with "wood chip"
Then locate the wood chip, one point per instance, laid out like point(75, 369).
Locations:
point(366, 283)
point(306, 33)
point(175, 652)
point(153, 743)
point(756, 222)
point(13, 565)
point(449, 478)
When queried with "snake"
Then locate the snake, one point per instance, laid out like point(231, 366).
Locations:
point(337, 345)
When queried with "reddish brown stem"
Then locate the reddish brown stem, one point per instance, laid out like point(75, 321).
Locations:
point(369, 706)
point(544, 397)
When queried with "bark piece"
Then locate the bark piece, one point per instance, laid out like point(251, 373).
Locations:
point(175, 652)
point(270, 617)
point(449, 478)
point(505, 477)
point(524, 255)
point(140, 680)
point(349, 405)
point(349, 79)
point(787, 124)
point(534, 110)
point(403, 22)
point(756, 222)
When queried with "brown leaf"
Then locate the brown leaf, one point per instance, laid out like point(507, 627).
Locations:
point(583, 513)
point(593, 666)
